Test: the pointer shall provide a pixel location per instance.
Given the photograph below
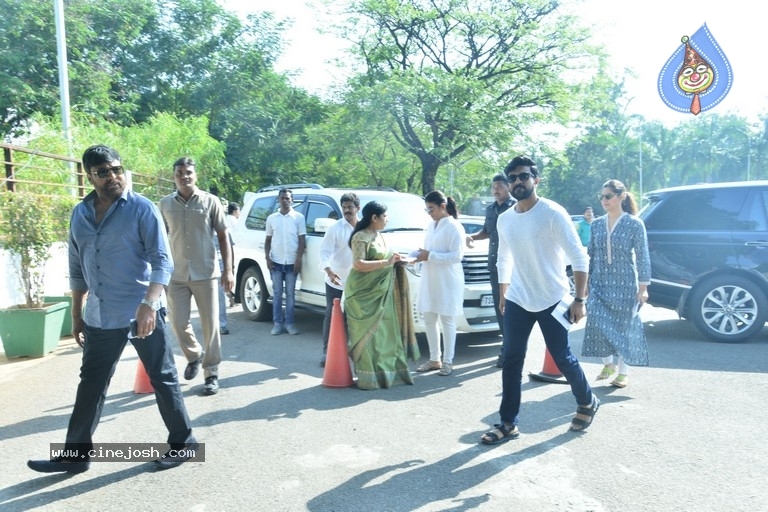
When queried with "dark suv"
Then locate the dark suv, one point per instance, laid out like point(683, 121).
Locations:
point(709, 255)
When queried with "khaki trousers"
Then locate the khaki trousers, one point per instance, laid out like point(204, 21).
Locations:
point(206, 294)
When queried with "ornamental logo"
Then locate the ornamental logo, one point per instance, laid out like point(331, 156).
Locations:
point(697, 76)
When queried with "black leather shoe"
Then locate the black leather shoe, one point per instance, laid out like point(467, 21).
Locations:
point(192, 369)
point(500, 361)
point(175, 458)
point(224, 331)
point(59, 465)
point(211, 385)
point(322, 361)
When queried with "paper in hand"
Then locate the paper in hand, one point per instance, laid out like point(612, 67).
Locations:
point(562, 311)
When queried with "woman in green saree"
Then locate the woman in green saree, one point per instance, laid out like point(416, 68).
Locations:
point(377, 307)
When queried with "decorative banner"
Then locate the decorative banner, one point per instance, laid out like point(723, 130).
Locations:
point(697, 76)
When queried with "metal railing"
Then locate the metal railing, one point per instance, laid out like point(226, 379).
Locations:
point(49, 174)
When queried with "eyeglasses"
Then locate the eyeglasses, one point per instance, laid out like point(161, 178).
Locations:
point(607, 197)
point(103, 173)
point(523, 177)
point(430, 209)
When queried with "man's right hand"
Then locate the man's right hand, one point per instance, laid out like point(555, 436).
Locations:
point(470, 241)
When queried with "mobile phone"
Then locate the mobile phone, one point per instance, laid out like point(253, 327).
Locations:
point(567, 315)
point(132, 333)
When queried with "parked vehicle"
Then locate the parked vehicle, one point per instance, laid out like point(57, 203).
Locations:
point(472, 223)
point(709, 255)
point(405, 232)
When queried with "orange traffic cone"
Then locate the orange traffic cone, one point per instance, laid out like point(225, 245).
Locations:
point(338, 373)
point(142, 385)
point(550, 373)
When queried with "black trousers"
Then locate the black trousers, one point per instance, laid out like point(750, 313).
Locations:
point(102, 351)
point(330, 294)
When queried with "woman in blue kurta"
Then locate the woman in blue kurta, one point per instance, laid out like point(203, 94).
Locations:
point(619, 274)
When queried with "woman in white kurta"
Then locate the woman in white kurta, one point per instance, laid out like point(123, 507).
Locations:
point(441, 290)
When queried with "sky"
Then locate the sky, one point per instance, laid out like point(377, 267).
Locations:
point(639, 35)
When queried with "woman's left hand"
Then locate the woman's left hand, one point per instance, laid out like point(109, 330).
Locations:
point(423, 255)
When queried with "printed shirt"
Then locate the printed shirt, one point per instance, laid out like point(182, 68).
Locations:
point(116, 259)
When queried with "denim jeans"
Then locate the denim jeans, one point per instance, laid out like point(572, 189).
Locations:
point(518, 324)
point(222, 299)
point(283, 274)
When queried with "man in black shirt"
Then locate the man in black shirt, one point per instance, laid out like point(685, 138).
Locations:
point(504, 200)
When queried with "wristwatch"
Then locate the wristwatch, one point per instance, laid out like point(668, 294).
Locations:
point(579, 299)
point(154, 305)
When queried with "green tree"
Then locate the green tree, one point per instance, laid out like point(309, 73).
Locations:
point(460, 74)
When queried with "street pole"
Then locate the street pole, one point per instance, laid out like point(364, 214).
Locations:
point(640, 152)
point(61, 46)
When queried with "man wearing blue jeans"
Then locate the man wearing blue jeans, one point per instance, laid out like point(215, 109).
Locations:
point(535, 238)
point(286, 232)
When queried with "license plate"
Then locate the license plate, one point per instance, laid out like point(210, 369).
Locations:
point(486, 301)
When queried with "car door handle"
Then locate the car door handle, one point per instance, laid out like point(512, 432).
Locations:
point(759, 244)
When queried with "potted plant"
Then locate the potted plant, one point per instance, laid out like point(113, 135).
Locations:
point(29, 226)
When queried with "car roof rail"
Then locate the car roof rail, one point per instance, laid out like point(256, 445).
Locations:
point(290, 186)
point(383, 189)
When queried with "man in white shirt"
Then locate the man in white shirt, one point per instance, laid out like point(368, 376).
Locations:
point(284, 248)
point(536, 237)
point(336, 259)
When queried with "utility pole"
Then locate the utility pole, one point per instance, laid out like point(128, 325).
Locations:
point(61, 46)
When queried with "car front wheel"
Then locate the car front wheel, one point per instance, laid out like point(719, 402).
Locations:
point(253, 293)
point(728, 309)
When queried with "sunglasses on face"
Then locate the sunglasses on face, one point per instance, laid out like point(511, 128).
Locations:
point(523, 177)
point(607, 197)
point(103, 173)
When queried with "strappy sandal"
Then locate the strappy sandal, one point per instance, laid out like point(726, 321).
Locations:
point(500, 433)
point(607, 371)
point(446, 369)
point(621, 381)
point(429, 366)
point(585, 415)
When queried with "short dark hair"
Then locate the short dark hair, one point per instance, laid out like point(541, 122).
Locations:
point(99, 154)
point(232, 207)
point(285, 191)
point(184, 160)
point(522, 161)
point(350, 197)
point(500, 177)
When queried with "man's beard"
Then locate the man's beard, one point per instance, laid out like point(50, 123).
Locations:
point(521, 192)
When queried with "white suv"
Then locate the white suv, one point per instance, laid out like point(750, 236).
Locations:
point(405, 232)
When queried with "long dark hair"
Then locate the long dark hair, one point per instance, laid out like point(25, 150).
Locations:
point(369, 210)
point(628, 204)
point(438, 198)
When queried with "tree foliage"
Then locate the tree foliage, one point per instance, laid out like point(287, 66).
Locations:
point(459, 74)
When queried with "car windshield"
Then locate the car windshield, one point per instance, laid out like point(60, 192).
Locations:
point(405, 211)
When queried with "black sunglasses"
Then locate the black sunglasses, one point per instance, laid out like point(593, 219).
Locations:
point(523, 177)
point(103, 173)
point(607, 197)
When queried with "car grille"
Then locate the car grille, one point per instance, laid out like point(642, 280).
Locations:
point(476, 268)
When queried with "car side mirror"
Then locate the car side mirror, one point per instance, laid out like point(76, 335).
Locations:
point(322, 224)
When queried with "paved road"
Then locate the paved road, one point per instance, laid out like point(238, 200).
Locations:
point(686, 435)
